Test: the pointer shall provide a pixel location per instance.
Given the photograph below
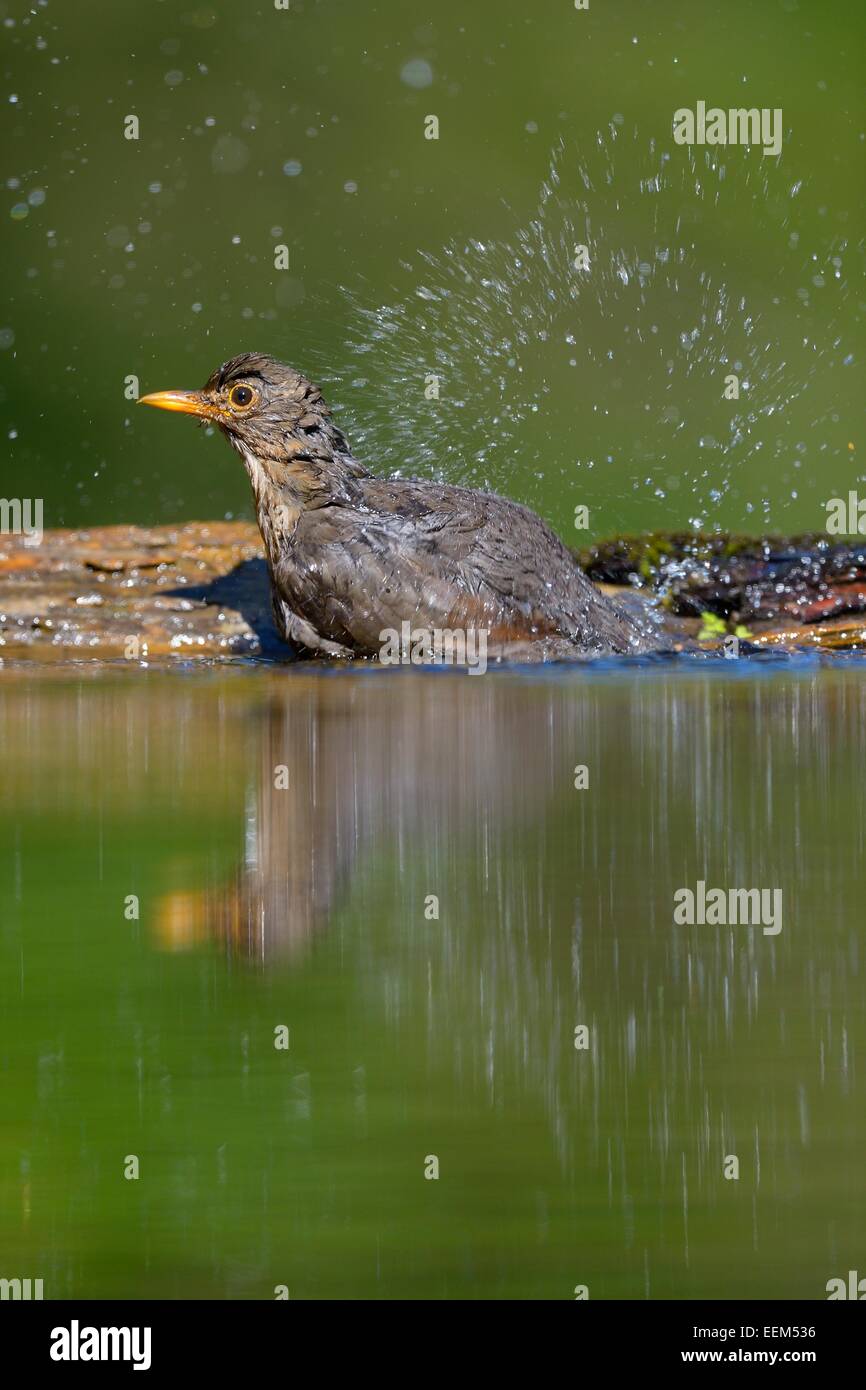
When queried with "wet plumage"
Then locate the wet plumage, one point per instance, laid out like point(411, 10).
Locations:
point(351, 555)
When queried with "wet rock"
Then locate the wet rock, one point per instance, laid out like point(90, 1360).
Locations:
point(771, 583)
point(137, 593)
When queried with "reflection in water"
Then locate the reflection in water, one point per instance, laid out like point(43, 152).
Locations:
point(416, 1033)
point(423, 769)
point(556, 903)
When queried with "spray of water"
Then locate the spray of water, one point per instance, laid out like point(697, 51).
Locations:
point(547, 371)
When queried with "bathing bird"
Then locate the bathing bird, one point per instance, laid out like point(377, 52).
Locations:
point(352, 556)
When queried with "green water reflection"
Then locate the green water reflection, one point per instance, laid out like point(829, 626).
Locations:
point(410, 1037)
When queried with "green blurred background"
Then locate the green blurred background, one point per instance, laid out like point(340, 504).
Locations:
point(155, 257)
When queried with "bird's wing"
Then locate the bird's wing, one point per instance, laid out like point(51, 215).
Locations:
point(441, 556)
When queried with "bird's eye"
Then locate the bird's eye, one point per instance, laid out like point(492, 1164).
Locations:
point(241, 397)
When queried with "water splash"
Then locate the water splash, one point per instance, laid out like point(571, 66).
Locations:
point(698, 268)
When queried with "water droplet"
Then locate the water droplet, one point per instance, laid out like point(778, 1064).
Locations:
point(417, 73)
point(292, 168)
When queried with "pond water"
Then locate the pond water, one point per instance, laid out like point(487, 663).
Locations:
point(400, 871)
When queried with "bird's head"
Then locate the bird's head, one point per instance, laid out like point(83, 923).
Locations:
point(264, 407)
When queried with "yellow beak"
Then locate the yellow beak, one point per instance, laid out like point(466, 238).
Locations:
point(189, 402)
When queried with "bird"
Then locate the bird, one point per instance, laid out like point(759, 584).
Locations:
point(352, 556)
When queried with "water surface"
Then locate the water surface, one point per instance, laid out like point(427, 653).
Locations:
point(308, 905)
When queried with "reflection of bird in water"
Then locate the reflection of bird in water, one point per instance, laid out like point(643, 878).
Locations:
point(346, 773)
point(352, 556)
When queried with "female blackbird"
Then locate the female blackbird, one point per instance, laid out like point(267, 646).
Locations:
point(352, 556)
